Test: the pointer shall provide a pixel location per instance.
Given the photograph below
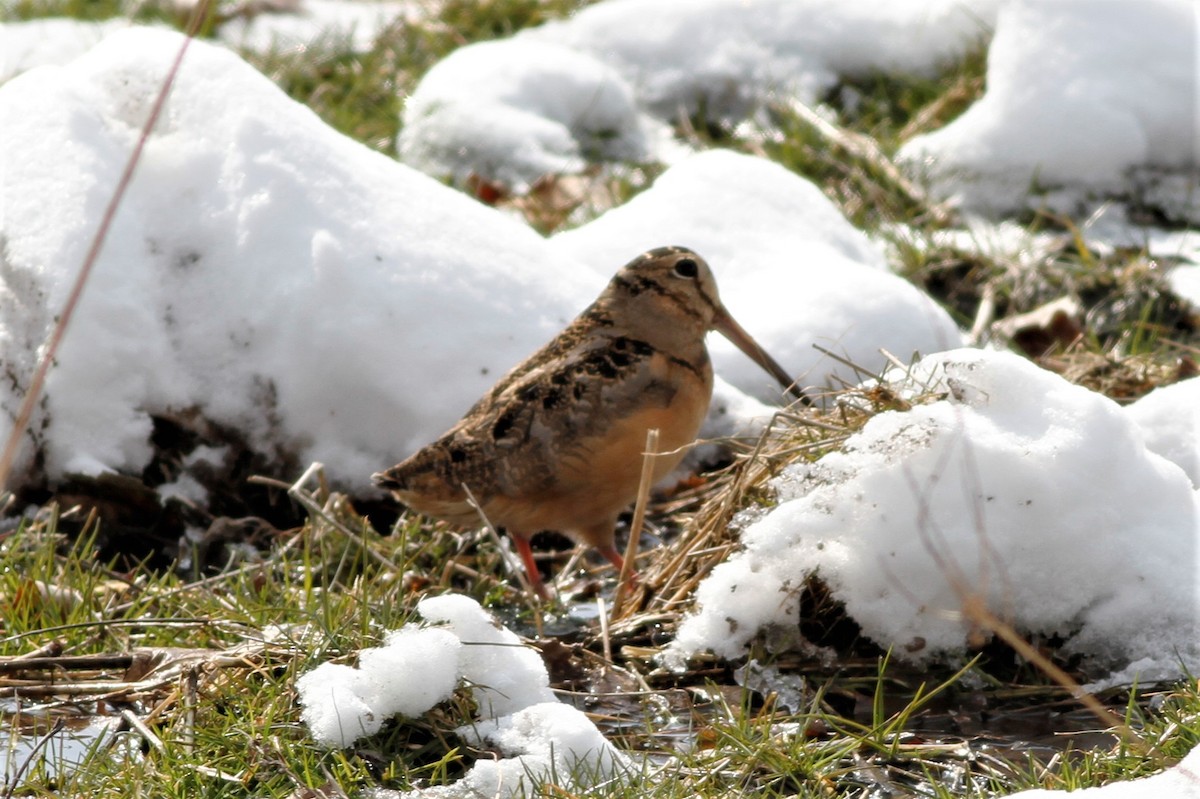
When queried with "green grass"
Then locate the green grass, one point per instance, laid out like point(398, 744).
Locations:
point(333, 587)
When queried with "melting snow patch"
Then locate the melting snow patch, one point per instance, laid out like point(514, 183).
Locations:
point(1037, 496)
point(417, 667)
point(511, 114)
point(1121, 97)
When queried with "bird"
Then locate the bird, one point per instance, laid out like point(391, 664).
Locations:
point(557, 443)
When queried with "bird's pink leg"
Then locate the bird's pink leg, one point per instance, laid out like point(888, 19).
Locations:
point(614, 557)
point(531, 569)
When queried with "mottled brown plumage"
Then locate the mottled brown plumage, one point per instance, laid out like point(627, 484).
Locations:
point(557, 443)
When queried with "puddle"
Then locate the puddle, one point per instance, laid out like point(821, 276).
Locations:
point(47, 741)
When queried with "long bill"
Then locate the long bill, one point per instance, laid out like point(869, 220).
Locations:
point(730, 329)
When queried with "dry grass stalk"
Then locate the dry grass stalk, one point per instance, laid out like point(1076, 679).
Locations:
point(639, 519)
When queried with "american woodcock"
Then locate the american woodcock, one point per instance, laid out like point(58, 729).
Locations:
point(557, 443)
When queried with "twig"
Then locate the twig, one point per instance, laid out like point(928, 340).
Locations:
point(315, 509)
point(51, 649)
point(190, 691)
point(65, 663)
point(147, 734)
point(984, 315)
point(605, 639)
point(105, 623)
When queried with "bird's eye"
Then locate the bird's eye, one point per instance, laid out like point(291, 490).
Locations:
point(686, 267)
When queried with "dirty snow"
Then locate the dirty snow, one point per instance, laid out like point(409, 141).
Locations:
point(1035, 495)
point(421, 665)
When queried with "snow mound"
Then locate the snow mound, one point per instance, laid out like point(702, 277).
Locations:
point(263, 269)
point(550, 99)
point(1127, 81)
point(511, 114)
point(505, 675)
point(417, 667)
point(790, 268)
point(1034, 495)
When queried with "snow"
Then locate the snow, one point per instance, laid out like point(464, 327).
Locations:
point(1000, 490)
point(553, 98)
point(1122, 96)
point(505, 676)
point(804, 274)
point(420, 666)
point(1185, 281)
point(1181, 781)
